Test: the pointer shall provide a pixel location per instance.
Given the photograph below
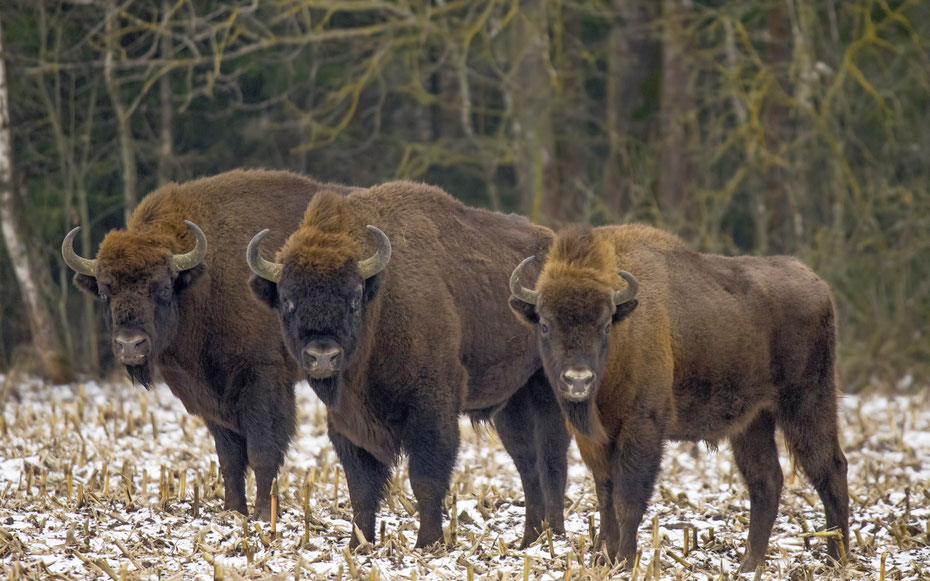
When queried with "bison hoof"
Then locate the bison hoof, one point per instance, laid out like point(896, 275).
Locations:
point(262, 513)
point(239, 507)
point(750, 564)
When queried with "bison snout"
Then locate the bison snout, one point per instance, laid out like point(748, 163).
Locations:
point(322, 360)
point(577, 383)
point(131, 348)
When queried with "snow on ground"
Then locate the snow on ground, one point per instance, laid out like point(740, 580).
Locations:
point(98, 480)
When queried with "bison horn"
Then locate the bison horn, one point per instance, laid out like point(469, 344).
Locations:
point(516, 286)
point(627, 294)
point(263, 268)
point(379, 260)
point(189, 260)
point(77, 263)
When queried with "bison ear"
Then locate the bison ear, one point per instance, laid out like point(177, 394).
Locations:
point(186, 278)
point(265, 290)
point(624, 310)
point(86, 283)
point(524, 311)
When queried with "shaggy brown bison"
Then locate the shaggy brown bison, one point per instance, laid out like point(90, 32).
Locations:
point(692, 347)
point(400, 339)
point(178, 305)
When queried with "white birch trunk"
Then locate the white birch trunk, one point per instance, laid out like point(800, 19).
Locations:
point(45, 339)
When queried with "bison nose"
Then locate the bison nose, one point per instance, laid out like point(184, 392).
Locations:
point(322, 359)
point(131, 348)
point(577, 382)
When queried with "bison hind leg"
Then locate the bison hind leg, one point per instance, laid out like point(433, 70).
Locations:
point(813, 442)
point(757, 459)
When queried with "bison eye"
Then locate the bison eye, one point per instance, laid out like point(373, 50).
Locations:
point(165, 293)
point(544, 328)
point(288, 305)
point(607, 329)
point(356, 299)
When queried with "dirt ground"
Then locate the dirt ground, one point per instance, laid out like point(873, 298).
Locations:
point(99, 481)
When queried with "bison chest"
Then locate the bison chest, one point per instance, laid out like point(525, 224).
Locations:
point(198, 398)
point(370, 429)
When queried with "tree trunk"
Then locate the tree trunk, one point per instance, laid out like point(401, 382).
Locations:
point(38, 312)
point(676, 173)
point(123, 127)
point(165, 150)
point(530, 95)
point(628, 68)
point(775, 206)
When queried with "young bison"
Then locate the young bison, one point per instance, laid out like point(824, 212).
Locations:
point(399, 339)
point(710, 348)
point(177, 305)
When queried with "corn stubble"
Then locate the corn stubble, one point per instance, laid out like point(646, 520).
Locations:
point(126, 486)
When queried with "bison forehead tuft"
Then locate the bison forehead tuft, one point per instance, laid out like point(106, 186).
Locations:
point(322, 252)
point(576, 301)
point(329, 237)
point(581, 247)
point(125, 253)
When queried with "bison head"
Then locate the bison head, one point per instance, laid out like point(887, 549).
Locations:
point(573, 312)
point(321, 290)
point(138, 279)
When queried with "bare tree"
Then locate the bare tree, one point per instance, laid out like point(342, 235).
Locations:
point(28, 273)
point(676, 174)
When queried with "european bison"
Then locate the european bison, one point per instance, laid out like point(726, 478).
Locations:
point(400, 339)
point(178, 305)
point(711, 347)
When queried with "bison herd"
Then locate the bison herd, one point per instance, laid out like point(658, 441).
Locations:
point(392, 303)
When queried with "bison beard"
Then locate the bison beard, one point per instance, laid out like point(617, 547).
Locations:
point(326, 389)
point(583, 416)
point(141, 374)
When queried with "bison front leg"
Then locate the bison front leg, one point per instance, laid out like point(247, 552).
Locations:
point(367, 479)
point(538, 448)
point(608, 538)
point(432, 444)
point(634, 474)
point(757, 459)
point(231, 451)
point(552, 440)
point(270, 422)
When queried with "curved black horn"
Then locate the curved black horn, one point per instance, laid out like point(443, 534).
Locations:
point(516, 285)
point(191, 259)
point(77, 263)
point(627, 294)
point(263, 268)
point(379, 260)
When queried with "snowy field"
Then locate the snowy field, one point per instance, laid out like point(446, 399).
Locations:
point(99, 481)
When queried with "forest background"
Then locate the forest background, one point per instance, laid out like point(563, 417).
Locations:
point(746, 126)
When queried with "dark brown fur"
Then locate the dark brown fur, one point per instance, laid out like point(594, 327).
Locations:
point(429, 340)
point(711, 348)
point(215, 346)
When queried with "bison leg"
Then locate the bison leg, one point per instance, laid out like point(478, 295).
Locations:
point(514, 425)
point(432, 444)
point(367, 479)
point(757, 459)
point(231, 451)
point(552, 440)
point(814, 442)
point(608, 539)
point(270, 423)
point(634, 472)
